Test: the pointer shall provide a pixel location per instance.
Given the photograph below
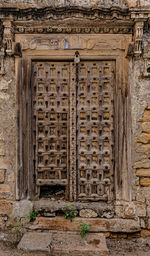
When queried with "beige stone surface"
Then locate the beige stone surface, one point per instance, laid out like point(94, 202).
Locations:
point(142, 223)
point(146, 116)
point(144, 163)
point(88, 213)
point(144, 138)
point(72, 244)
point(45, 3)
point(64, 243)
point(36, 242)
point(148, 211)
point(130, 210)
point(2, 148)
point(145, 233)
point(6, 207)
point(11, 177)
point(145, 182)
point(139, 111)
point(146, 127)
point(98, 224)
point(2, 177)
point(134, 3)
point(22, 208)
point(58, 3)
point(141, 209)
point(4, 188)
point(4, 163)
point(143, 148)
point(143, 172)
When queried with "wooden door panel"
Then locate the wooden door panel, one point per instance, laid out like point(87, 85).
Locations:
point(95, 137)
point(51, 118)
point(73, 127)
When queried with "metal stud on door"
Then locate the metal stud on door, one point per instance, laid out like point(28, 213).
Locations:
point(95, 130)
point(51, 115)
point(73, 138)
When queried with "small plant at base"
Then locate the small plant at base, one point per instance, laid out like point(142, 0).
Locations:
point(18, 228)
point(84, 229)
point(32, 215)
point(70, 212)
point(17, 233)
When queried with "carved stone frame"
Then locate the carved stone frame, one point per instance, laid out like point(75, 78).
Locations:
point(108, 47)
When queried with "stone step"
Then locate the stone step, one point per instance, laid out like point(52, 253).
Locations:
point(64, 243)
point(97, 224)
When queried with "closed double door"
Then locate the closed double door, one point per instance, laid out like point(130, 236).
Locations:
point(73, 129)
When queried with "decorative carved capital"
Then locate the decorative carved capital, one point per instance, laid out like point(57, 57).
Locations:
point(8, 37)
point(138, 37)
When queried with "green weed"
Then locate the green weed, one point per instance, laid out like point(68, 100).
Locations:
point(32, 215)
point(84, 229)
point(70, 212)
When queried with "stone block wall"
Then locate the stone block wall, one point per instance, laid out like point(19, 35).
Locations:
point(8, 131)
point(138, 207)
point(46, 3)
point(141, 142)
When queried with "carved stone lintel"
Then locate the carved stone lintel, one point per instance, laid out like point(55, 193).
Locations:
point(101, 29)
point(8, 37)
point(138, 37)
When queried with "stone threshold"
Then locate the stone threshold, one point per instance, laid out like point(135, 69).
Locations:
point(48, 207)
point(98, 225)
point(64, 243)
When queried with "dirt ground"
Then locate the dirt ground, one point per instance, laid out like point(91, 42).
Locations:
point(117, 247)
point(126, 247)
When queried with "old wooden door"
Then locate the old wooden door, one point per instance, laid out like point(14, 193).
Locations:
point(73, 129)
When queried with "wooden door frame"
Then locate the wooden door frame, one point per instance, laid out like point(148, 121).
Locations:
point(25, 187)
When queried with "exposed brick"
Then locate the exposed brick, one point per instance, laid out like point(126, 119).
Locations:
point(6, 207)
point(148, 211)
point(2, 176)
point(143, 148)
point(140, 196)
point(2, 148)
point(142, 223)
point(4, 188)
point(2, 223)
point(143, 173)
point(145, 182)
point(88, 213)
point(148, 224)
point(141, 209)
point(145, 163)
point(3, 84)
point(146, 127)
point(144, 138)
point(4, 163)
point(107, 234)
point(146, 115)
point(145, 233)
